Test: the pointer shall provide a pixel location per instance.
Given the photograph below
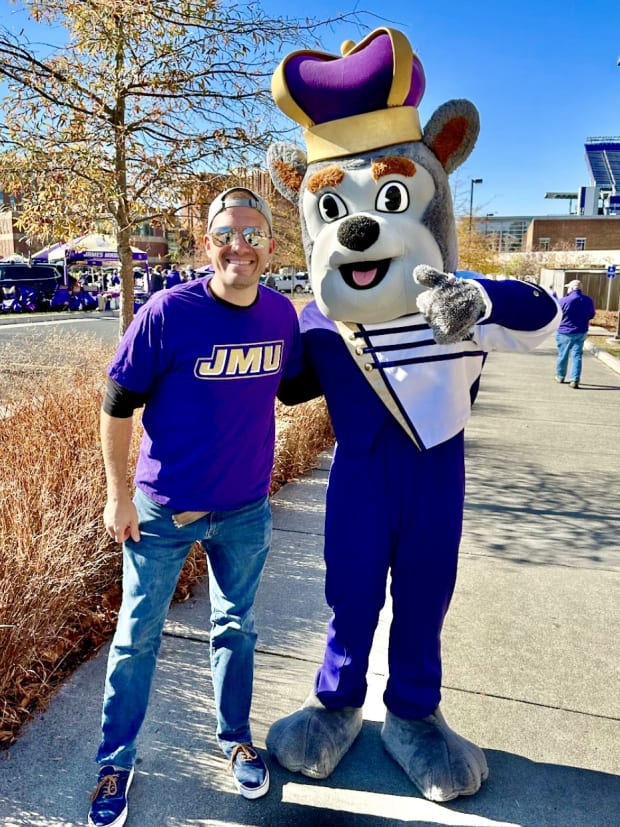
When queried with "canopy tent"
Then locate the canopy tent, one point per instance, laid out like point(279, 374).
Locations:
point(91, 250)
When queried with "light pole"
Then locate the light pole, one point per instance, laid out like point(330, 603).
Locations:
point(474, 181)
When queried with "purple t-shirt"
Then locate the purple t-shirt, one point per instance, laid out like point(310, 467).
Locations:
point(211, 372)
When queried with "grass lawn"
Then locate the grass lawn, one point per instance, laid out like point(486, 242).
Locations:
point(603, 343)
point(609, 320)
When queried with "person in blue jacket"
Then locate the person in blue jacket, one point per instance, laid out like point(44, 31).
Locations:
point(577, 311)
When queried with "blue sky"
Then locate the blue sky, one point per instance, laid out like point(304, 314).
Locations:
point(542, 73)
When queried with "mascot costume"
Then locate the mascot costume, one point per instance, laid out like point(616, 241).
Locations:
point(396, 343)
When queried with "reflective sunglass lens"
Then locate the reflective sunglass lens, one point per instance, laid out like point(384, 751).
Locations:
point(253, 236)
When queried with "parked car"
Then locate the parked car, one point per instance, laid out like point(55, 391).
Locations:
point(27, 288)
point(291, 284)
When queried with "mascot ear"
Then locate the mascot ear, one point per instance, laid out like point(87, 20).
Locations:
point(287, 166)
point(451, 133)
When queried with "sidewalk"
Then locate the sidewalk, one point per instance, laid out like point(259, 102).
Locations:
point(531, 648)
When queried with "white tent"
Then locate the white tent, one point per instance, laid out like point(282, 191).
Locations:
point(94, 249)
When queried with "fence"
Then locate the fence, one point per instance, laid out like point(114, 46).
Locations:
point(605, 292)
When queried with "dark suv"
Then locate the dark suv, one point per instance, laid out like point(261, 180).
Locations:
point(26, 288)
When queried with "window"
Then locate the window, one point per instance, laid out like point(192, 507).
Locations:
point(580, 244)
point(543, 244)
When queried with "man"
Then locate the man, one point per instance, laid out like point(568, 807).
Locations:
point(577, 310)
point(157, 280)
point(210, 355)
point(173, 277)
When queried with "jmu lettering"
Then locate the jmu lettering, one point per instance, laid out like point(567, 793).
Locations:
point(229, 361)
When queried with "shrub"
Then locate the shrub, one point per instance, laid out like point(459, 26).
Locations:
point(59, 571)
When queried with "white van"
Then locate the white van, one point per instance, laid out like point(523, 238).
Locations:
point(291, 284)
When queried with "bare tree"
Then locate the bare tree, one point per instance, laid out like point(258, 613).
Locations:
point(139, 97)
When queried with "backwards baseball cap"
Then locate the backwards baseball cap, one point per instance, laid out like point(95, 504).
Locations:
point(575, 284)
point(243, 197)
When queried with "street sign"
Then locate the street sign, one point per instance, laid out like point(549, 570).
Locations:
point(611, 271)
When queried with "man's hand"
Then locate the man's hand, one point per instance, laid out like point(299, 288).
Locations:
point(121, 520)
point(119, 515)
point(451, 306)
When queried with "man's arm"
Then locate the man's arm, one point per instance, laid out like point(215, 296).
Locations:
point(119, 515)
point(300, 388)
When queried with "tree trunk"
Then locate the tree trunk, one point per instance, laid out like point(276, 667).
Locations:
point(127, 283)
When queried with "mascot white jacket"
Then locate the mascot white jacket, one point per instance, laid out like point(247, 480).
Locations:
point(396, 343)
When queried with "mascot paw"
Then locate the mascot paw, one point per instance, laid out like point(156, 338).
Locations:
point(441, 764)
point(313, 739)
point(451, 306)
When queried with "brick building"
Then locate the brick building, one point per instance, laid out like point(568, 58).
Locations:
point(572, 232)
point(594, 226)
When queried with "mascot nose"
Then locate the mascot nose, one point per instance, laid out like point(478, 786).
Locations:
point(358, 233)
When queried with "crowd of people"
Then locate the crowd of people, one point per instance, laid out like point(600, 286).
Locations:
point(91, 288)
point(156, 278)
point(162, 278)
point(104, 287)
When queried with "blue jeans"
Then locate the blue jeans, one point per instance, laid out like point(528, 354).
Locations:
point(236, 544)
point(570, 345)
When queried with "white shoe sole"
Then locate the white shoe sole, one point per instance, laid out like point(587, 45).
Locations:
point(122, 818)
point(254, 792)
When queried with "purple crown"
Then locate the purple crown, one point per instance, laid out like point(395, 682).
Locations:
point(380, 73)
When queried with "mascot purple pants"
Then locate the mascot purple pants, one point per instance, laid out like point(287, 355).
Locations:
point(398, 524)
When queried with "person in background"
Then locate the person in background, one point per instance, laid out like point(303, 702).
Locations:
point(173, 277)
point(207, 481)
point(577, 311)
point(156, 279)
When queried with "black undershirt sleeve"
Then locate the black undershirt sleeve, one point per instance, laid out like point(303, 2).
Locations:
point(300, 388)
point(120, 402)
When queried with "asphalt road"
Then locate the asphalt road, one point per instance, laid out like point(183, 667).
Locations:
point(33, 330)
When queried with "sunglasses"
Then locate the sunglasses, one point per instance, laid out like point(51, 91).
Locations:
point(253, 236)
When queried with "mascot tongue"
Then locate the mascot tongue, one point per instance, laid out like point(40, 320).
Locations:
point(364, 277)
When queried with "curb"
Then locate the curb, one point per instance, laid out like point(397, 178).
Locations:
point(611, 361)
point(20, 318)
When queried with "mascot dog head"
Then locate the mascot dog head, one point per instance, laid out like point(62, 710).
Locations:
point(372, 190)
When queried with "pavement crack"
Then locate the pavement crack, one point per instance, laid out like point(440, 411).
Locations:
point(538, 704)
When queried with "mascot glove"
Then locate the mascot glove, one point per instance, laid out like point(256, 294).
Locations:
point(451, 306)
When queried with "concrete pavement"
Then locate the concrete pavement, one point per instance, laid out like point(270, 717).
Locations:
point(531, 648)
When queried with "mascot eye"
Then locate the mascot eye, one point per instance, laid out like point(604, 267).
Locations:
point(393, 197)
point(332, 207)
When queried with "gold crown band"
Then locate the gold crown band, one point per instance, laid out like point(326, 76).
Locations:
point(359, 133)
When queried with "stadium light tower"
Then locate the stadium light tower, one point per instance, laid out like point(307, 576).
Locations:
point(474, 181)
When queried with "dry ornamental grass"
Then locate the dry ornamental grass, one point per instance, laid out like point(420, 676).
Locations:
point(59, 572)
